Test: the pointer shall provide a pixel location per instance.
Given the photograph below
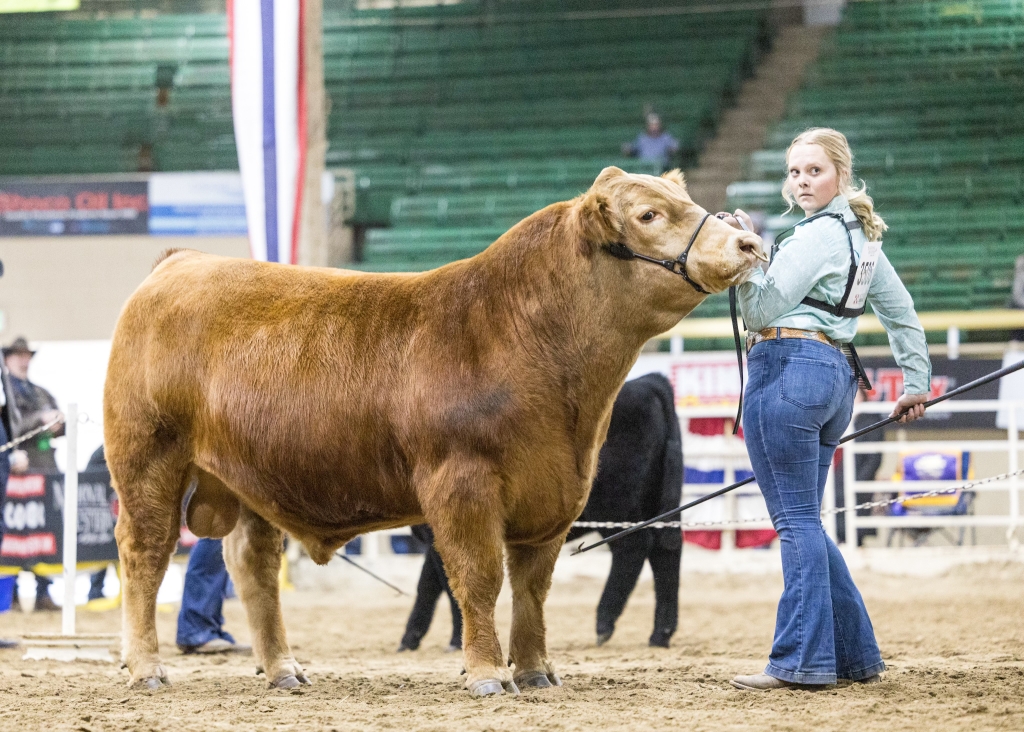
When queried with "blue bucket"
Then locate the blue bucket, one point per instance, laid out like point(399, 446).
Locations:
point(7, 584)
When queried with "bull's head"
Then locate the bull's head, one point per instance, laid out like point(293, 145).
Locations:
point(632, 223)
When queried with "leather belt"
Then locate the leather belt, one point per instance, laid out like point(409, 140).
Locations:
point(770, 334)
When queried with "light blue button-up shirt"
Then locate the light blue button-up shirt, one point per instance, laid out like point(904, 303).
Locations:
point(815, 261)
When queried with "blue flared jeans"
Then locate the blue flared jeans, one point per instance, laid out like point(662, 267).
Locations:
point(797, 405)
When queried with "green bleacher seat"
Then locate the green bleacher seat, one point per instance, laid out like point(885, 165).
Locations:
point(942, 122)
point(504, 89)
point(900, 42)
point(923, 156)
point(890, 97)
point(890, 13)
point(75, 78)
point(378, 185)
point(473, 209)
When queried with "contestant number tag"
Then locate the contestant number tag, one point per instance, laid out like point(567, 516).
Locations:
point(865, 271)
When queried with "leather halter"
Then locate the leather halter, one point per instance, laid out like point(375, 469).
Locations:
point(675, 266)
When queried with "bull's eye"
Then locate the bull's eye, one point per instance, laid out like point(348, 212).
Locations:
point(648, 216)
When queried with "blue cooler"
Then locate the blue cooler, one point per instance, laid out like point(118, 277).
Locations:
point(7, 584)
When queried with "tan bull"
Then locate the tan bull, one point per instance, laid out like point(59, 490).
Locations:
point(328, 403)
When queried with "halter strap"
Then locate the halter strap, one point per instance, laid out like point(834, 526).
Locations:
point(675, 266)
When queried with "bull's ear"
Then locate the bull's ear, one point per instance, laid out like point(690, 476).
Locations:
point(676, 176)
point(599, 222)
point(606, 175)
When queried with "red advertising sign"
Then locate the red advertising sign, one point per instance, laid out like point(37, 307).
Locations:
point(54, 209)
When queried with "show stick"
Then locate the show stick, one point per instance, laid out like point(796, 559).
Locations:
point(995, 375)
point(377, 577)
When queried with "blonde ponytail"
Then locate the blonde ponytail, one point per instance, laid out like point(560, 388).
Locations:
point(837, 148)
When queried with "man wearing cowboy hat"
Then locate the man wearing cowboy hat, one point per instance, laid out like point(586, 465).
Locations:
point(36, 407)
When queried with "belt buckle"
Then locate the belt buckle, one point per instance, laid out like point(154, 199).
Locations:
point(752, 340)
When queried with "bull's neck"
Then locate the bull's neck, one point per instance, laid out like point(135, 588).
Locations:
point(563, 310)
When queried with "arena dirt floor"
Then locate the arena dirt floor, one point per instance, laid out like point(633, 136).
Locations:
point(954, 644)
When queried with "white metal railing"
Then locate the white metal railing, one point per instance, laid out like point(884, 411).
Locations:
point(1010, 446)
point(732, 456)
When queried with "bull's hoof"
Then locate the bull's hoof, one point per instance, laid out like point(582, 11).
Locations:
point(555, 679)
point(152, 683)
point(487, 687)
point(534, 680)
point(511, 688)
point(290, 681)
point(659, 639)
point(603, 638)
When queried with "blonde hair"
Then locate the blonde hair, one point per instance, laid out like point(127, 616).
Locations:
point(837, 148)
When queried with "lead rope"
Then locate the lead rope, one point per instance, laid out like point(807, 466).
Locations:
point(739, 355)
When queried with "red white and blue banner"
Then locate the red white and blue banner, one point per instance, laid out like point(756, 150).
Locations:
point(268, 104)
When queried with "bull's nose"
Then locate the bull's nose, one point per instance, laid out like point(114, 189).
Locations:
point(752, 246)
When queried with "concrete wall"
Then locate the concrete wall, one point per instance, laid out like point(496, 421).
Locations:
point(72, 288)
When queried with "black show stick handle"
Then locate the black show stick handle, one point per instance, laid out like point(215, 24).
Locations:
point(852, 436)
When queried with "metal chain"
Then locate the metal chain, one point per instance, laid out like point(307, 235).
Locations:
point(29, 435)
point(830, 512)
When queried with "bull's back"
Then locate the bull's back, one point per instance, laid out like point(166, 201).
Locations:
point(275, 379)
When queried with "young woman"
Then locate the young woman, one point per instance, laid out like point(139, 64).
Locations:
point(801, 314)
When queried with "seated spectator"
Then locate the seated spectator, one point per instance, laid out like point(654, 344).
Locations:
point(6, 409)
point(36, 407)
point(653, 144)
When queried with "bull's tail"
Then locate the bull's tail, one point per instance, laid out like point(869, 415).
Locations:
point(672, 462)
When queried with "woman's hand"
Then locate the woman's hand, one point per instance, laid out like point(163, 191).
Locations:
point(733, 219)
point(19, 461)
point(913, 404)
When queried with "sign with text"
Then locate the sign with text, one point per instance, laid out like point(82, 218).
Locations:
point(33, 516)
point(196, 204)
point(74, 209)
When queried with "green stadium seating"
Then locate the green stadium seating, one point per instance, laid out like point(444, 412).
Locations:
point(889, 97)
point(994, 121)
point(378, 185)
point(456, 120)
point(892, 13)
point(930, 155)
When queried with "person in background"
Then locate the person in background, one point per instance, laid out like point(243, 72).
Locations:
point(97, 602)
point(200, 621)
point(8, 418)
point(37, 407)
point(653, 144)
point(433, 582)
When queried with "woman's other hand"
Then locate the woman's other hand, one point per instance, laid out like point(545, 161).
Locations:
point(19, 461)
point(733, 219)
point(914, 406)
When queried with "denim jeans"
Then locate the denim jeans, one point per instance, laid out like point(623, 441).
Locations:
point(798, 403)
point(202, 598)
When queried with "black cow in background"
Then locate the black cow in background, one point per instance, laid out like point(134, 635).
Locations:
point(639, 475)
